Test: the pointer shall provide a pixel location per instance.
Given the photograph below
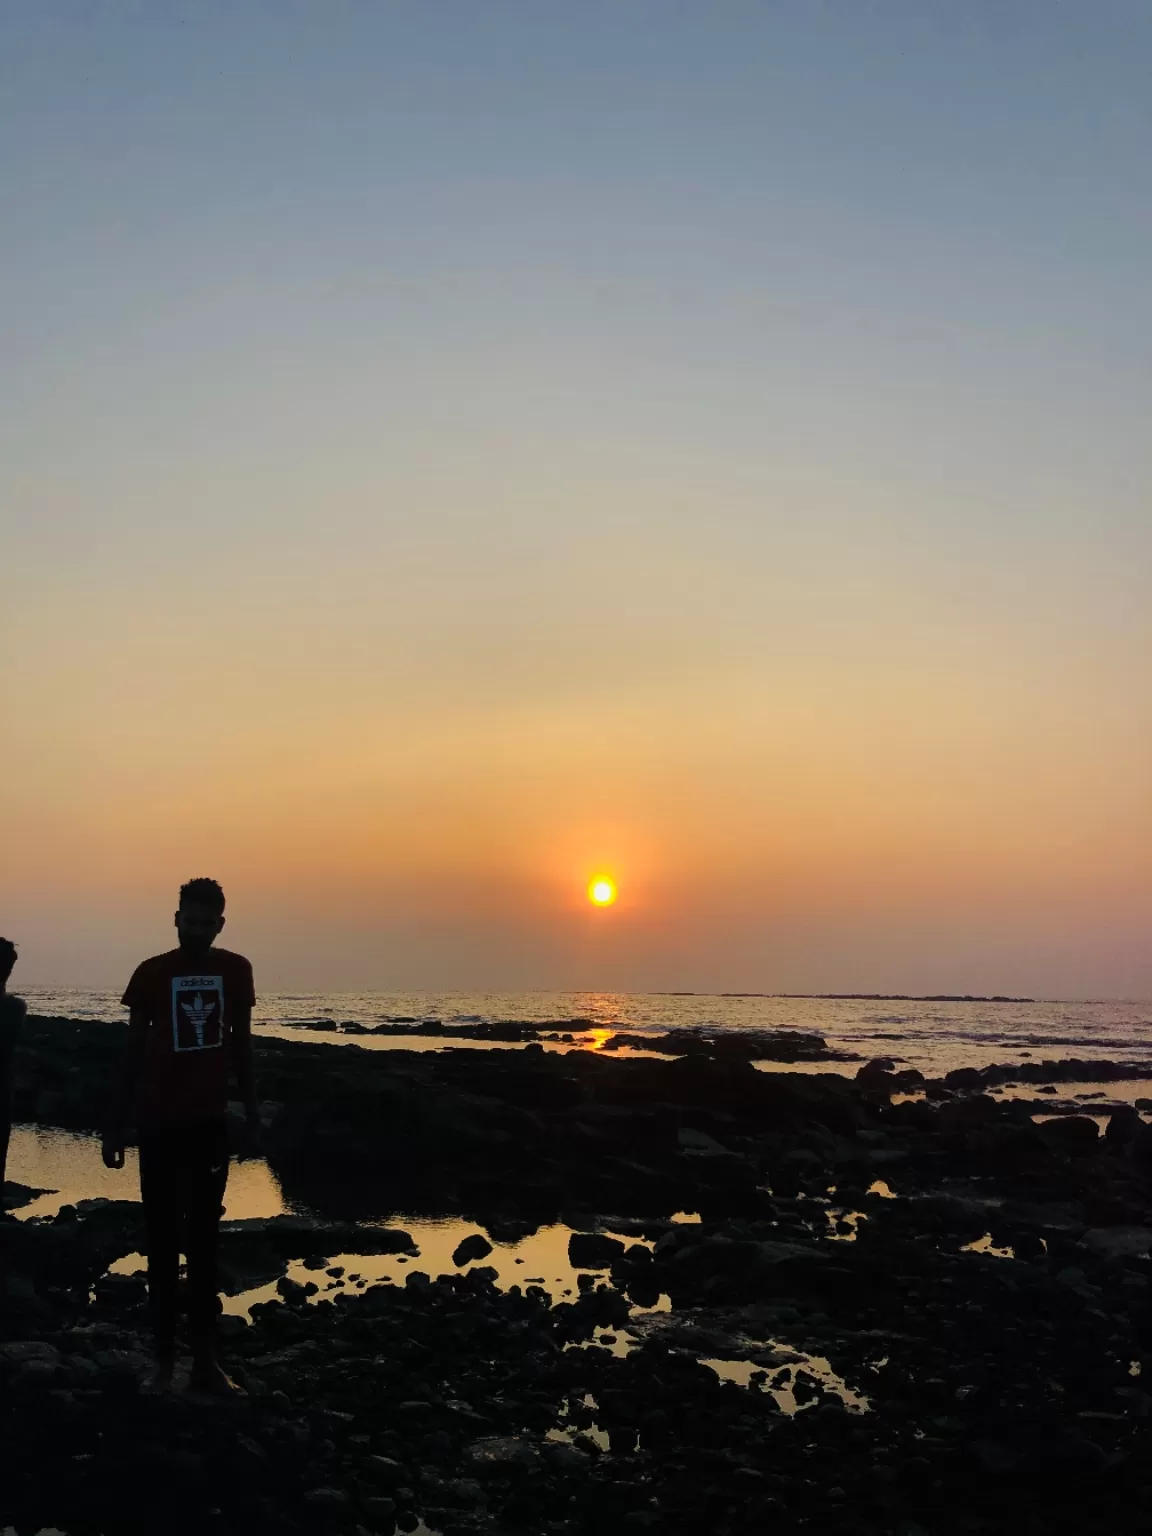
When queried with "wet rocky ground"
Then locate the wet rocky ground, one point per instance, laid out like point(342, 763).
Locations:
point(906, 1307)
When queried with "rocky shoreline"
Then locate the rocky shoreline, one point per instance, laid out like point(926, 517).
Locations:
point(977, 1284)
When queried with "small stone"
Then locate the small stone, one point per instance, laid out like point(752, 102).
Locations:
point(474, 1246)
point(384, 1470)
point(327, 1498)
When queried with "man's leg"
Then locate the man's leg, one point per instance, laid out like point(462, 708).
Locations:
point(5, 1129)
point(207, 1180)
point(162, 1194)
point(5, 1109)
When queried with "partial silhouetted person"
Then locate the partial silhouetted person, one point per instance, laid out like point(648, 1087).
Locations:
point(12, 1011)
point(189, 1028)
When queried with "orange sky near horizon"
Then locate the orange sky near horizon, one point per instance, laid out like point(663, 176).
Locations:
point(441, 463)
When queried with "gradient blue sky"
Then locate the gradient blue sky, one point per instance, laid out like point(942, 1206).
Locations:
point(447, 449)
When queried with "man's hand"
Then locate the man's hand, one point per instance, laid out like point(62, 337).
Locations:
point(112, 1149)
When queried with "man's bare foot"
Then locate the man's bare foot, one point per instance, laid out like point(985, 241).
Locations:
point(159, 1378)
point(210, 1376)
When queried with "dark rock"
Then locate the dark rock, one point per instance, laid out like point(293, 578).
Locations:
point(501, 1455)
point(383, 1471)
point(1071, 1135)
point(334, 1500)
point(593, 1250)
point(14, 1196)
point(247, 1261)
point(964, 1080)
point(381, 1511)
point(474, 1246)
point(19, 1352)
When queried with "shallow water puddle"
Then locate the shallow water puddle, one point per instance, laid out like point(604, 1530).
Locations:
point(796, 1385)
point(578, 1424)
point(986, 1245)
point(539, 1260)
point(68, 1167)
point(1131, 1090)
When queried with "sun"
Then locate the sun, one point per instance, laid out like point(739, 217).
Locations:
point(602, 891)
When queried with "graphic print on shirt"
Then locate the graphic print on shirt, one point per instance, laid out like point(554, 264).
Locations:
point(197, 1013)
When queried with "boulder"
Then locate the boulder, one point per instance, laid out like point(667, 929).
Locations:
point(1123, 1129)
point(700, 1144)
point(1071, 1135)
point(500, 1455)
point(20, 1352)
point(246, 1261)
point(964, 1080)
point(593, 1250)
point(474, 1246)
point(1119, 1242)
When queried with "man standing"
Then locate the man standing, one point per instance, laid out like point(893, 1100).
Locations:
point(12, 1010)
point(189, 1025)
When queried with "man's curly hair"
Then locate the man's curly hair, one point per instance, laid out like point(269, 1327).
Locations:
point(7, 958)
point(207, 892)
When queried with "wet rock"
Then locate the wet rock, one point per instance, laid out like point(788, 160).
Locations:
point(964, 1080)
point(1119, 1242)
point(383, 1471)
point(247, 1261)
point(19, 1352)
point(501, 1455)
point(474, 1246)
point(593, 1250)
point(15, 1196)
point(381, 1511)
point(509, 1229)
point(121, 1290)
point(457, 1492)
point(327, 1500)
point(1123, 1129)
point(301, 1237)
point(1071, 1135)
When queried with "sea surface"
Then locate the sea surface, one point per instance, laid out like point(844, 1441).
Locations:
point(933, 1036)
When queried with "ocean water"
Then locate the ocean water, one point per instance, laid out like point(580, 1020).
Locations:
point(933, 1036)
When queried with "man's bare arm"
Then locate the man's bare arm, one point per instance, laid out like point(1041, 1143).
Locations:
point(124, 1089)
point(244, 1068)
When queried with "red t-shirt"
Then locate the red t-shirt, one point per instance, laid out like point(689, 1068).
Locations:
point(187, 1054)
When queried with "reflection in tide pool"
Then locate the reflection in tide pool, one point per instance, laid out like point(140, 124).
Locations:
point(796, 1383)
point(67, 1165)
point(541, 1260)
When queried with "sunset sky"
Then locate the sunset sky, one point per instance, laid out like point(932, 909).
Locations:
point(451, 450)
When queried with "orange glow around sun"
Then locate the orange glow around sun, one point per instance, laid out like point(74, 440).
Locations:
point(602, 891)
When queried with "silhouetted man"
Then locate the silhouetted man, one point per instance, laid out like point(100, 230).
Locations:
point(189, 1024)
point(12, 1010)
